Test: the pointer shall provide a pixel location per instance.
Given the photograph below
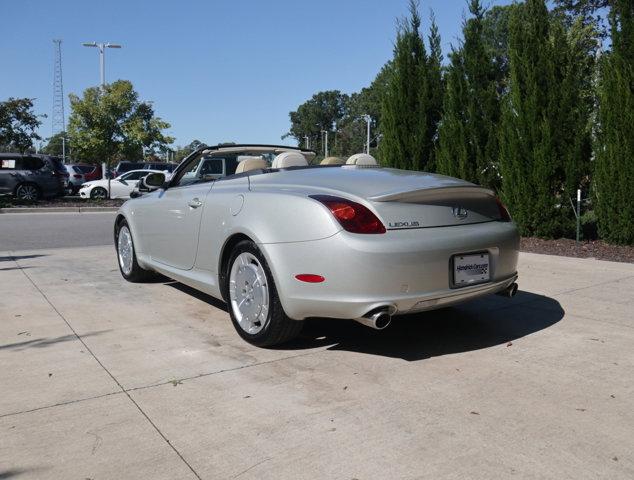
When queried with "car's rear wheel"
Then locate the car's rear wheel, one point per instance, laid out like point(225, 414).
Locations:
point(254, 305)
point(126, 255)
point(28, 192)
point(99, 193)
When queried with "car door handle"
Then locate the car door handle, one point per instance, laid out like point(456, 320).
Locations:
point(194, 203)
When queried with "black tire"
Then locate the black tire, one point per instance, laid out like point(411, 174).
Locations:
point(136, 274)
point(99, 192)
point(278, 327)
point(28, 192)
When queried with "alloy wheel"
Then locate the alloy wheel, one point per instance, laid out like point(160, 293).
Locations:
point(249, 293)
point(125, 250)
point(27, 192)
point(99, 193)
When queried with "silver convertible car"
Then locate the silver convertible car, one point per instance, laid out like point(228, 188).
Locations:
point(280, 240)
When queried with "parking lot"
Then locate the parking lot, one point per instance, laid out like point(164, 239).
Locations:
point(106, 379)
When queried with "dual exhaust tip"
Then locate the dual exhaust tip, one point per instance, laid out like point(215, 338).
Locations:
point(381, 319)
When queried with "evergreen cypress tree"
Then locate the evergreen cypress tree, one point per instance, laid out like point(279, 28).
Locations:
point(468, 145)
point(544, 128)
point(410, 109)
point(614, 166)
point(435, 93)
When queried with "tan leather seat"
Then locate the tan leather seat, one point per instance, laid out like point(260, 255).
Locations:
point(332, 161)
point(289, 159)
point(361, 159)
point(253, 163)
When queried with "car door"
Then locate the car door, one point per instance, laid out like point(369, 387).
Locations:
point(170, 218)
point(123, 185)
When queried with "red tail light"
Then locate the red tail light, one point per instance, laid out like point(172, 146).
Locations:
point(76, 175)
point(352, 216)
point(505, 216)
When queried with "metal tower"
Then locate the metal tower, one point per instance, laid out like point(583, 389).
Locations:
point(58, 123)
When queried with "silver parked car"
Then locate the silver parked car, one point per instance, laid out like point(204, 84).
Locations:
point(281, 241)
point(76, 178)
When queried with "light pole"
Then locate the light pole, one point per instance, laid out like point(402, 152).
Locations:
point(368, 119)
point(325, 144)
point(307, 140)
point(102, 57)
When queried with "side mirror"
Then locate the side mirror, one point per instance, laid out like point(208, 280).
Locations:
point(152, 182)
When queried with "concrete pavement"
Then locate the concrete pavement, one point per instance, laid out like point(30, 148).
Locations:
point(105, 379)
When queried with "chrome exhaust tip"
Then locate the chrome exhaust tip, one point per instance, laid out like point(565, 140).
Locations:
point(510, 291)
point(378, 320)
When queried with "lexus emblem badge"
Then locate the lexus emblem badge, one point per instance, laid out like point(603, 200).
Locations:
point(459, 212)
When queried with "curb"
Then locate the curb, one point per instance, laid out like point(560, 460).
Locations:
point(59, 210)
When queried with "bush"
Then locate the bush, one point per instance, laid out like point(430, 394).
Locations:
point(589, 230)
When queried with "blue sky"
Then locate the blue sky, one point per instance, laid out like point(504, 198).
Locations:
point(216, 70)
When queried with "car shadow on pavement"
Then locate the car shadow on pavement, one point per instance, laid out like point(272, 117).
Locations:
point(6, 269)
point(45, 342)
point(20, 257)
point(203, 297)
point(471, 326)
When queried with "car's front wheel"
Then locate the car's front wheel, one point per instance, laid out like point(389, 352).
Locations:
point(254, 304)
point(99, 193)
point(126, 255)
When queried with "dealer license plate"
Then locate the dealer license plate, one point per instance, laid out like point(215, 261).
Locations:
point(470, 269)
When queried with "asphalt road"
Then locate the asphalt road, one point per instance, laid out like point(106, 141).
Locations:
point(34, 231)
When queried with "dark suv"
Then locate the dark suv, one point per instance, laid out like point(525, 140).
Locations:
point(32, 176)
point(125, 166)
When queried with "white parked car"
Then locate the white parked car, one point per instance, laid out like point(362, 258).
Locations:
point(281, 241)
point(120, 187)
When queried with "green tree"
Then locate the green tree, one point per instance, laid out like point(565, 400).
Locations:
point(18, 124)
point(468, 143)
point(589, 12)
point(112, 124)
point(544, 132)
point(351, 135)
point(614, 165)
point(495, 32)
point(55, 145)
point(181, 152)
point(410, 109)
point(321, 113)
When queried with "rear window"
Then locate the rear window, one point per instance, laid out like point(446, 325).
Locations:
point(58, 164)
point(85, 168)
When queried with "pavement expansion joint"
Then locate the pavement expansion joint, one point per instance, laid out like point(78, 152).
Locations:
point(122, 390)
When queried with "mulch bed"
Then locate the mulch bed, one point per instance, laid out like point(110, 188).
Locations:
point(585, 249)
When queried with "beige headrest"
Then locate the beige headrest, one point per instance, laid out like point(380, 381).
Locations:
point(332, 161)
point(361, 159)
point(289, 159)
point(254, 163)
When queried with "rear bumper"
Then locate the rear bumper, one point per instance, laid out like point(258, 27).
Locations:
point(406, 271)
